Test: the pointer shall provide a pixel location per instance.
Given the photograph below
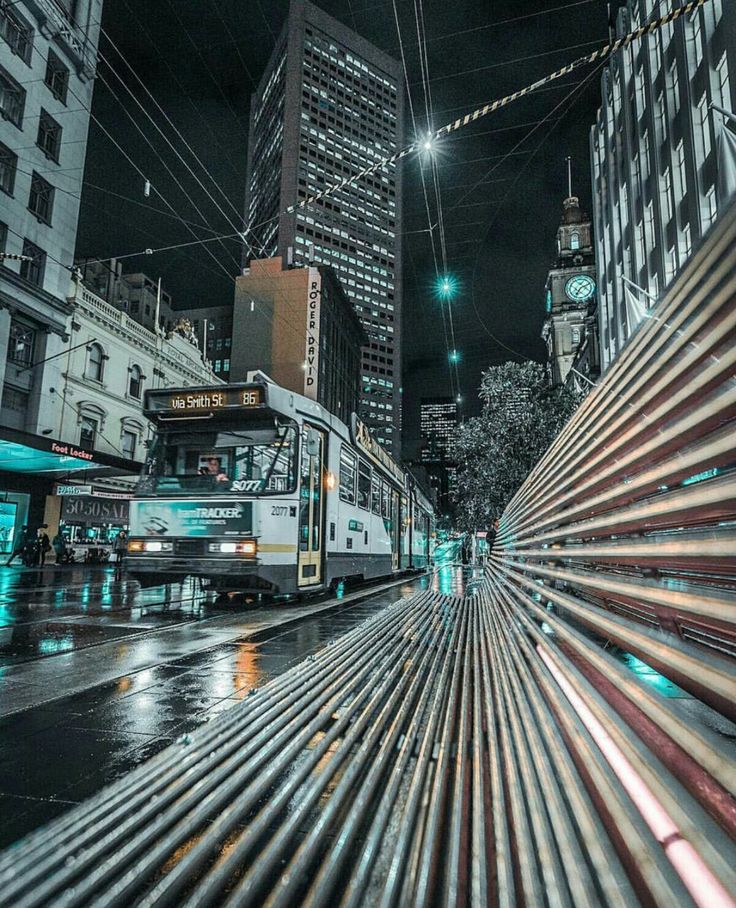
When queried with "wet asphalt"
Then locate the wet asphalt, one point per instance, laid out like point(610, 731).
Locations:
point(97, 675)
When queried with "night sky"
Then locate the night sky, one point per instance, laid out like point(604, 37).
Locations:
point(502, 179)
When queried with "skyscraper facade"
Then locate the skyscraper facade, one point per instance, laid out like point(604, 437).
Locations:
point(329, 105)
point(438, 423)
point(655, 154)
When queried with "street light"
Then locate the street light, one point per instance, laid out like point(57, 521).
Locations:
point(454, 356)
point(446, 285)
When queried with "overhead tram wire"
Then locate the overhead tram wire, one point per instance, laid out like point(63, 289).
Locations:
point(174, 128)
point(578, 89)
point(424, 69)
point(106, 132)
point(430, 225)
point(156, 152)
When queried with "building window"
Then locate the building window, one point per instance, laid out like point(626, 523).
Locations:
point(57, 77)
point(16, 32)
point(3, 237)
point(697, 40)
point(711, 207)
point(575, 338)
point(724, 88)
point(129, 442)
point(226, 365)
point(687, 242)
point(14, 399)
point(95, 363)
point(49, 136)
point(12, 98)
point(89, 428)
point(135, 383)
point(21, 344)
point(575, 241)
point(218, 365)
point(41, 199)
point(33, 266)
point(8, 165)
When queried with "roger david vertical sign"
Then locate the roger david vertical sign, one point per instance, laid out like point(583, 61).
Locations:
point(311, 360)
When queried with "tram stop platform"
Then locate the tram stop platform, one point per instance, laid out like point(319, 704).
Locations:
point(451, 750)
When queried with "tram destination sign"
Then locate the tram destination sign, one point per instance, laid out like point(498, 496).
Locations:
point(204, 400)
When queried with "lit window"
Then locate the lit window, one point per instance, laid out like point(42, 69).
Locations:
point(575, 241)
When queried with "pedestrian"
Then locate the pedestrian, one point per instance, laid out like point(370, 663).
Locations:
point(21, 543)
point(44, 544)
point(119, 549)
point(58, 543)
point(491, 538)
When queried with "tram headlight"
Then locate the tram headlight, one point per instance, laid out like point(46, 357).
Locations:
point(239, 547)
point(150, 545)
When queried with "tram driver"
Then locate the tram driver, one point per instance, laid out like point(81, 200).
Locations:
point(213, 469)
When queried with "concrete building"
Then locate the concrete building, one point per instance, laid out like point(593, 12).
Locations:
point(141, 297)
point(655, 154)
point(438, 423)
point(328, 105)
point(47, 69)
point(570, 293)
point(110, 361)
point(213, 328)
point(297, 326)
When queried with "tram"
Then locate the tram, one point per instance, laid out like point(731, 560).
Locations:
point(253, 487)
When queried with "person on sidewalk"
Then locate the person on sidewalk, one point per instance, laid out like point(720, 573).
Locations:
point(119, 550)
point(58, 543)
point(21, 543)
point(44, 544)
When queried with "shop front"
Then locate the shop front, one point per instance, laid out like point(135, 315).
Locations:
point(33, 467)
point(89, 519)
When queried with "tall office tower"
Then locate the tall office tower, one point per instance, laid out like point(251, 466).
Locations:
point(329, 105)
point(438, 422)
point(657, 149)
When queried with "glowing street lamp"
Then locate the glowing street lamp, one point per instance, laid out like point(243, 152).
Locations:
point(446, 286)
point(454, 356)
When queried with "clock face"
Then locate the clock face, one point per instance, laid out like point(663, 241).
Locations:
point(580, 288)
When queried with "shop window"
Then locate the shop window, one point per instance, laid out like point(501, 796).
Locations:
point(89, 428)
point(49, 136)
point(8, 165)
point(129, 442)
point(41, 198)
point(95, 363)
point(135, 383)
point(33, 266)
point(21, 344)
point(57, 77)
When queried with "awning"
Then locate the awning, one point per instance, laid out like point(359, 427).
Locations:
point(23, 452)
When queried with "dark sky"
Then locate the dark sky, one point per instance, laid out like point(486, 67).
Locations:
point(502, 179)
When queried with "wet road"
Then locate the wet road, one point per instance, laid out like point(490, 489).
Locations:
point(96, 675)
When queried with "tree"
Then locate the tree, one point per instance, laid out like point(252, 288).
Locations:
point(495, 451)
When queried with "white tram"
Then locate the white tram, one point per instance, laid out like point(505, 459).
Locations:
point(253, 487)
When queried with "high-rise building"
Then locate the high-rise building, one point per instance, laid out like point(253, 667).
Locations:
point(570, 300)
point(297, 325)
point(438, 422)
point(655, 154)
point(329, 105)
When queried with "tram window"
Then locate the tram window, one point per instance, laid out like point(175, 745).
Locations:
point(364, 486)
point(385, 501)
point(255, 460)
point(376, 494)
point(348, 470)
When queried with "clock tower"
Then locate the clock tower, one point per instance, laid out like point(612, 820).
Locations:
point(570, 299)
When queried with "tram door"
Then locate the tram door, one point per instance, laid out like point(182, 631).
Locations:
point(311, 507)
point(395, 530)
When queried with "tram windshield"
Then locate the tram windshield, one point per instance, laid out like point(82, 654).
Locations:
point(250, 461)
